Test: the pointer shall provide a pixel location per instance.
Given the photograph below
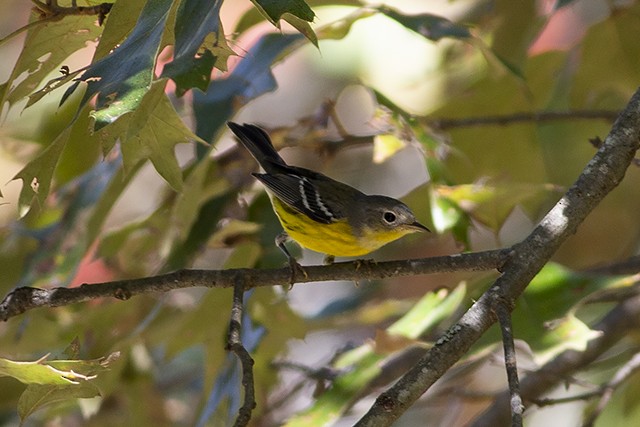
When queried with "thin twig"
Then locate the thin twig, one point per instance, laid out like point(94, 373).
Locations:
point(621, 376)
point(26, 298)
point(613, 327)
point(234, 344)
point(503, 311)
point(544, 116)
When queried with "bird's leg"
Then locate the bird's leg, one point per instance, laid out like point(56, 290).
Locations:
point(294, 267)
point(328, 259)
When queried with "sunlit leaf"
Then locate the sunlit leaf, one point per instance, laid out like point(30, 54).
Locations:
point(491, 204)
point(385, 146)
point(432, 309)
point(47, 45)
point(568, 333)
point(153, 132)
point(51, 372)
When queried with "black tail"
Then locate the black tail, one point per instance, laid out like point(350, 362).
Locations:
point(259, 144)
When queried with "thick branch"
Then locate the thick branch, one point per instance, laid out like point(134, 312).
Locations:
point(23, 299)
point(601, 175)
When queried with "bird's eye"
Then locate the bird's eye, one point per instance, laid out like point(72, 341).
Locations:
point(389, 217)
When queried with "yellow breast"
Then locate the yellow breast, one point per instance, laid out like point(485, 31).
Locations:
point(337, 239)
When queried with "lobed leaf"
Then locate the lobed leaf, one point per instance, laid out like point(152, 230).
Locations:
point(194, 58)
point(123, 77)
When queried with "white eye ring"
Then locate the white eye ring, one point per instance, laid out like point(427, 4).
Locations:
point(389, 217)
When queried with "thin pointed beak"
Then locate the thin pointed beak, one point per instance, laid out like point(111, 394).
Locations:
point(419, 227)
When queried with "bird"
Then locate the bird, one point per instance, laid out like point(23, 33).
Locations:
point(320, 213)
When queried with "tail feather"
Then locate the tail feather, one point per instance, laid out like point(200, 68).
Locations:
point(259, 144)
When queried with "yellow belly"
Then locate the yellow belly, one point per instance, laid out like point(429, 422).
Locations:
point(335, 239)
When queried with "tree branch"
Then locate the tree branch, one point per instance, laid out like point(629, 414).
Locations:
point(601, 175)
point(543, 116)
point(26, 298)
point(503, 311)
point(234, 344)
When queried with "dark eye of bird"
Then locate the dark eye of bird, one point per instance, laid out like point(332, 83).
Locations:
point(389, 217)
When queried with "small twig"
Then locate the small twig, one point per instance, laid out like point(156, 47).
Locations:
point(605, 391)
point(234, 344)
point(621, 376)
point(503, 312)
point(26, 298)
point(614, 326)
point(545, 116)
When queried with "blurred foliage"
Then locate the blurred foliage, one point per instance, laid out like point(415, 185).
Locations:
point(131, 177)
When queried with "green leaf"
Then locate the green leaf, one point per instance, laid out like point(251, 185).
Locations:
point(302, 26)
point(38, 396)
point(123, 77)
point(36, 175)
point(427, 313)
point(430, 26)
point(491, 205)
point(153, 132)
point(385, 146)
point(568, 333)
point(42, 372)
point(193, 58)
point(274, 9)
point(120, 22)
point(47, 45)
point(339, 29)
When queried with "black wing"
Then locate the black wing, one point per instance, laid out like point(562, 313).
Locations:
point(302, 194)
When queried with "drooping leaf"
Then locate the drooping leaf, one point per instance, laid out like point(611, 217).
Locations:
point(36, 175)
point(47, 45)
point(430, 26)
point(152, 133)
point(302, 26)
point(193, 58)
point(37, 396)
point(274, 9)
point(123, 77)
point(339, 29)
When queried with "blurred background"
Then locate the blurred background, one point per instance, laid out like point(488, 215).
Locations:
point(478, 114)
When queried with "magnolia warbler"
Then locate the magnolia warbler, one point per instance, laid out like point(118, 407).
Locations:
point(320, 213)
